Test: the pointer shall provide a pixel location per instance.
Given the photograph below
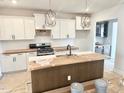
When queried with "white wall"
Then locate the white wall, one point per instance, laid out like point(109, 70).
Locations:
point(113, 13)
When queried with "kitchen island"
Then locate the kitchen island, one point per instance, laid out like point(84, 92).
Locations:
point(63, 70)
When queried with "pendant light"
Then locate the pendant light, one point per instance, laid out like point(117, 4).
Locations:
point(50, 17)
point(85, 19)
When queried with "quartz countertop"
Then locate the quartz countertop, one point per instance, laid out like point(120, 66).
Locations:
point(56, 49)
point(16, 51)
point(66, 60)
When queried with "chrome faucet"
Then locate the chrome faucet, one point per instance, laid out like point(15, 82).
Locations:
point(69, 48)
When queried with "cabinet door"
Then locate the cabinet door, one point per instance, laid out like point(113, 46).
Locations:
point(1, 29)
point(39, 21)
point(7, 63)
point(31, 54)
point(7, 28)
point(71, 28)
point(18, 28)
point(64, 29)
point(78, 23)
point(14, 62)
point(29, 28)
point(20, 62)
point(55, 34)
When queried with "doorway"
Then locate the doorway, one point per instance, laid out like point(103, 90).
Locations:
point(106, 38)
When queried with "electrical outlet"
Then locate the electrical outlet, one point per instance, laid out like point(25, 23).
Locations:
point(69, 78)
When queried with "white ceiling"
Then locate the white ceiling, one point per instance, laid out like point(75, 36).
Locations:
point(72, 6)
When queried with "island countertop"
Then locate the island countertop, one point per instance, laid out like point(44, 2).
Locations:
point(66, 60)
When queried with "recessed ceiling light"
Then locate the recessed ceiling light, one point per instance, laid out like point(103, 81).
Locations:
point(14, 1)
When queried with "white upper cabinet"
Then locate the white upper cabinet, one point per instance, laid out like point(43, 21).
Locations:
point(40, 22)
point(78, 24)
point(55, 32)
point(18, 25)
point(71, 28)
point(22, 28)
point(12, 28)
point(6, 29)
point(29, 28)
point(16, 28)
point(1, 29)
point(65, 28)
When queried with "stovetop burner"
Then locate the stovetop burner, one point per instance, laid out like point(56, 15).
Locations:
point(43, 49)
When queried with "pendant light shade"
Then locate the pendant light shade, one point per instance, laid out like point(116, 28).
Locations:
point(85, 21)
point(50, 17)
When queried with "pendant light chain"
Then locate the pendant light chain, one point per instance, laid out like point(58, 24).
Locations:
point(86, 5)
point(49, 4)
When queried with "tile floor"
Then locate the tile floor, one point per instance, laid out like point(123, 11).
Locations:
point(17, 82)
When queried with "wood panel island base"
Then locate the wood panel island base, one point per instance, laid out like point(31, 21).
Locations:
point(80, 68)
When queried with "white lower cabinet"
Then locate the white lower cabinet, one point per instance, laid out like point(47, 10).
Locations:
point(14, 62)
point(31, 54)
point(7, 63)
point(21, 62)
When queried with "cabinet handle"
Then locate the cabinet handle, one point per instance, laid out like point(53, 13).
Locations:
point(14, 59)
point(52, 35)
point(43, 26)
point(67, 36)
point(14, 37)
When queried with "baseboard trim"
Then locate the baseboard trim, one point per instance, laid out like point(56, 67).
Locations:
point(14, 71)
point(118, 71)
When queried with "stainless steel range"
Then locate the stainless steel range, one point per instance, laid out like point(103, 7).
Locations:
point(42, 48)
